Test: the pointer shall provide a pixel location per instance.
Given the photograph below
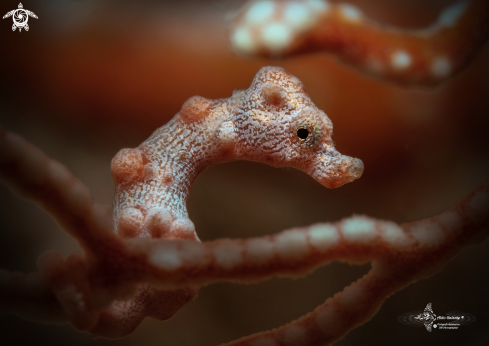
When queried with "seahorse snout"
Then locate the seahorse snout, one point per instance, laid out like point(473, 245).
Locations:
point(332, 169)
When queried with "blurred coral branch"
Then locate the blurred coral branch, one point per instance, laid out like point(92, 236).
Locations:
point(418, 57)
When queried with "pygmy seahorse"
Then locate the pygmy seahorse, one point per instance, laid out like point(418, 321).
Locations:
point(273, 121)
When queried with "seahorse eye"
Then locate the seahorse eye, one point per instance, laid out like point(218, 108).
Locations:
point(302, 133)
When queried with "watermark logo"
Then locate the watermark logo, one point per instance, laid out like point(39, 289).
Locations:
point(20, 17)
point(427, 318)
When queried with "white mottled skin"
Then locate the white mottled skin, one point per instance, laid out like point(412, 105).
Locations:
point(258, 124)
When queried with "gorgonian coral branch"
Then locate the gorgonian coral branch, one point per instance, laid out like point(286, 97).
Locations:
point(72, 285)
point(425, 57)
point(151, 262)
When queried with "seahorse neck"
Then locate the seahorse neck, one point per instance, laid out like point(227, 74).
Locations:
point(180, 152)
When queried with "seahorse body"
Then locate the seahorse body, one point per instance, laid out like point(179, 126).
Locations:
point(273, 121)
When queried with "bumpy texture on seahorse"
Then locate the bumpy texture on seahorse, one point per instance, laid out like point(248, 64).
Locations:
point(424, 57)
point(274, 122)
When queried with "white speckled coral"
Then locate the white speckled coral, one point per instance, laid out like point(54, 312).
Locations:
point(153, 263)
point(426, 57)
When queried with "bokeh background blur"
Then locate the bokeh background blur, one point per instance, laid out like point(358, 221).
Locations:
point(92, 77)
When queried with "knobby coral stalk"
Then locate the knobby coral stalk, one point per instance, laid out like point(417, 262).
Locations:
point(149, 261)
point(420, 57)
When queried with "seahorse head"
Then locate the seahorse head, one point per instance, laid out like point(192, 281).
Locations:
point(278, 124)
